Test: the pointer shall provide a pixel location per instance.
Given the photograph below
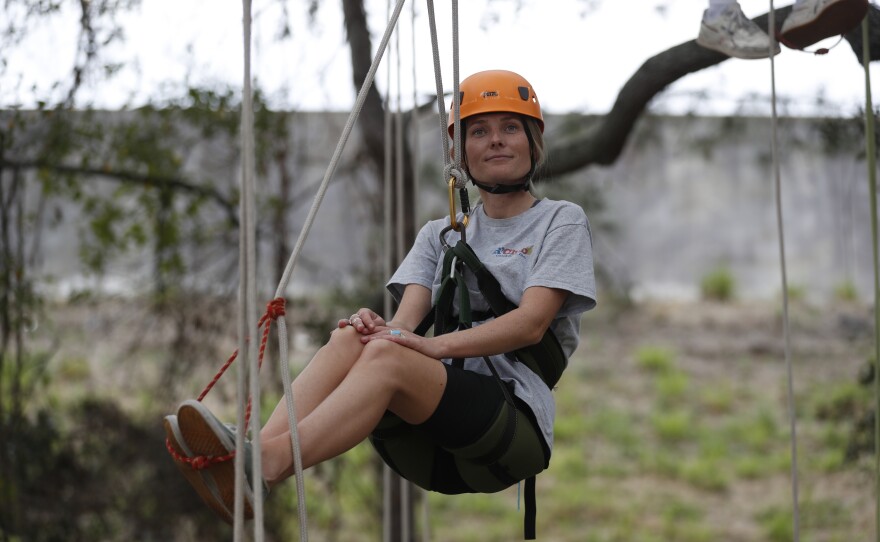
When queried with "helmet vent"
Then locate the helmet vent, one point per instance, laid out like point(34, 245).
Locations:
point(523, 93)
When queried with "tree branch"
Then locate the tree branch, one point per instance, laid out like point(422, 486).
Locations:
point(603, 142)
point(134, 178)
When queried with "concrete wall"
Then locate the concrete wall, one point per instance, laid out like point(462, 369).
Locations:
point(689, 195)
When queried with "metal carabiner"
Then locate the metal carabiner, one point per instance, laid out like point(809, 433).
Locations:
point(443, 242)
point(453, 221)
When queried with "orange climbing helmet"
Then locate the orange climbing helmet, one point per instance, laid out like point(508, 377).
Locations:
point(495, 91)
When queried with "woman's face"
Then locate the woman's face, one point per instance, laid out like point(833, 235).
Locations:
point(497, 148)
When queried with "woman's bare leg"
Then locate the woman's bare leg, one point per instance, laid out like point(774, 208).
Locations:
point(319, 378)
point(386, 376)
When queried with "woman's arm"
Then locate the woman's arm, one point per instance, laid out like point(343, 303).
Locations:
point(414, 305)
point(520, 327)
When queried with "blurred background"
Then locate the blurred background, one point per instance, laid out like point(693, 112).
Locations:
point(120, 159)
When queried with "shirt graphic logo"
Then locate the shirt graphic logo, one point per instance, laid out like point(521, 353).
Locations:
point(504, 252)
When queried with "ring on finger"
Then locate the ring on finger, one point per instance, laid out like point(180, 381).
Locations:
point(396, 333)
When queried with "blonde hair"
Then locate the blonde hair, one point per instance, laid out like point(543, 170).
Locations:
point(538, 152)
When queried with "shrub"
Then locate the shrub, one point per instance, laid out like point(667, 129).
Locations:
point(655, 359)
point(718, 285)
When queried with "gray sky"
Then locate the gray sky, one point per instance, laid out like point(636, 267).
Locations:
point(576, 57)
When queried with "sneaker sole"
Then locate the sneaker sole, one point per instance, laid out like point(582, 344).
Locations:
point(205, 436)
point(738, 53)
point(196, 479)
point(709, 41)
point(834, 20)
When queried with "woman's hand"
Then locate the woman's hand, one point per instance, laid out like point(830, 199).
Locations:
point(365, 321)
point(403, 337)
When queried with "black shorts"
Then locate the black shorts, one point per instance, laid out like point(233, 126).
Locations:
point(475, 441)
point(469, 405)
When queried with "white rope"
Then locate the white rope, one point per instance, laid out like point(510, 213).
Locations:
point(438, 80)
point(771, 25)
point(387, 475)
point(398, 162)
point(400, 242)
point(456, 170)
point(247, 304)
point(297, 250)
point(414, 213)
point(871, 159)
point(417, 181)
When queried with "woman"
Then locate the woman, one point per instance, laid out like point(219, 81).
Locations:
point(541, 253)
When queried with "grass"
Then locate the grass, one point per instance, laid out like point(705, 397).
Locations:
point(658, 438)
point(656, 446)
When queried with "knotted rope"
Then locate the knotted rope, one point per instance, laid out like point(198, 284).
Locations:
point(274, 310)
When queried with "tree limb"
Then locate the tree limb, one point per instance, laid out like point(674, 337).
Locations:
point(228, 207)
point(603, 142)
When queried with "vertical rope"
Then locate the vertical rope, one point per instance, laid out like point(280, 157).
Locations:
point(771, 25)
point(414, 122)
point(247, 304)
point(400, 243)
point(387, 236)
point(416, 186)
point(398, 158)
point(871, 159)
point(456, 97)
point(438, 80)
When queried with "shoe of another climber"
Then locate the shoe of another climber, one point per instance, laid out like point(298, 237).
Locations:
point(734, 34)
point(814, 20)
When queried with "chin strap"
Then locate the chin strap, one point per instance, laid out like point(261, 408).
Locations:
point(502, 188)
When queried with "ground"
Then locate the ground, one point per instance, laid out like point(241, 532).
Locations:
point(672, 424)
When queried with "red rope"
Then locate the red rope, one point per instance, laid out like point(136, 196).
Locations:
point(818, 52)
point(274, 309)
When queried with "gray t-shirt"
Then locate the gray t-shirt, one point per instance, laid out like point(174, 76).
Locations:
point(549, 245)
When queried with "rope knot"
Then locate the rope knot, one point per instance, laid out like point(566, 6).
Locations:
point(461, 178)
point(200, 462)
point(275, 308)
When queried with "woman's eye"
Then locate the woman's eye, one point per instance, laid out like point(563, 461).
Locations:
point(512, 128)
point(477, 132)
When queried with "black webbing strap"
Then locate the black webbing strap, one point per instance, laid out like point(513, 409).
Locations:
point(531, 511)
point(546, 358)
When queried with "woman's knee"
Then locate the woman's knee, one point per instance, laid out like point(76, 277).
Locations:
point(345, 338)
point(383, 357)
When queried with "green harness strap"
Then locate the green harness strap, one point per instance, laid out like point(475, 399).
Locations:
point(546, 358)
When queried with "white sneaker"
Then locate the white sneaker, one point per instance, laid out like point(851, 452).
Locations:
point(816, 20)
point(733, 34)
